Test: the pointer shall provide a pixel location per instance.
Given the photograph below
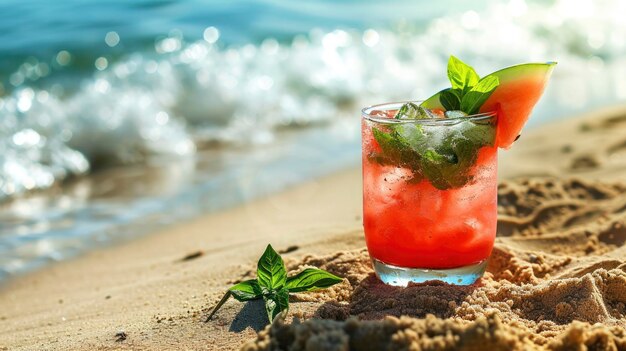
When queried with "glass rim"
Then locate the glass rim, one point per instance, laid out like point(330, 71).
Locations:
point(365, 113)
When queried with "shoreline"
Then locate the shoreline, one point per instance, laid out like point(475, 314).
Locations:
point(121, 203)
point(138, 286)
point(146, 290)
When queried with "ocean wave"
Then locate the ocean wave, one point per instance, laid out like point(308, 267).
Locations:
point(185, 95)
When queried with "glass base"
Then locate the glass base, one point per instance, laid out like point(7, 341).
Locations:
point(398, 276)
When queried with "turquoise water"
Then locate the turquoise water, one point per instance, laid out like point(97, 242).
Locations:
point(122, 117)
point(40, 29)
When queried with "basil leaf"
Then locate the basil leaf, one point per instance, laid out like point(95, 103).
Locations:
point(449, 100)
point(272, 284)
point(476, 97)
point(246, 290)
point(462, 76)
point(276, 302)
point(311, 279)
point(271, 272)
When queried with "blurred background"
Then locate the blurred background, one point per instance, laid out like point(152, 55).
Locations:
point(118, 118)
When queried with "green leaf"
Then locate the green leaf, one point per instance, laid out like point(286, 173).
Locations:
point(311, 279)
point(276, 302)
point(446, 160)
point(392, 148)
point(395, 148)
point(272, 285)
point(461, 75)
point(481, 133)
point(413, 136)
point(449, 164)
point(271, 272)
point(447, 169)
point(449, 100)
point(468, 92)
point(246, 290)
point(476, 97)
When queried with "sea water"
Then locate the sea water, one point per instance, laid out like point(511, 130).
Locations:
point(119, 118)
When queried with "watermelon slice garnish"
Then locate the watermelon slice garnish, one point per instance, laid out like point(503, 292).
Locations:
point(514, 98)
point(520, 88)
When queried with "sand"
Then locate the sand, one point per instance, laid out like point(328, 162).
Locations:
point(549, 285)
point(556, 281)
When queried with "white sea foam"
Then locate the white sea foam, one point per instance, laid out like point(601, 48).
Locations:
point(184, 93)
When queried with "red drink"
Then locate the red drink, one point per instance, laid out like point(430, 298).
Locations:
point(429, 176)
point(429, 195)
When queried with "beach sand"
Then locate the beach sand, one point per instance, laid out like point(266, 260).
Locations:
point(556, 280)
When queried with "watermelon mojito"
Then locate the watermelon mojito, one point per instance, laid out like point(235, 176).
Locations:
point(430, 173)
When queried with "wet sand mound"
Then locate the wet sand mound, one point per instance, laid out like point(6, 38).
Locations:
point(556, 281)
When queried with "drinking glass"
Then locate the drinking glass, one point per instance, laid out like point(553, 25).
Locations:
point(429, 195)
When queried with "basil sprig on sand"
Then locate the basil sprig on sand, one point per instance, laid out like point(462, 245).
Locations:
point(273, 286)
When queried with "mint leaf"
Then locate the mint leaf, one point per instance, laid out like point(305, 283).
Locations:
point(468, 92)
point(480, 134)
point(413, 136)
point(276, 302)
point(476, 97)
point(449, 165)
point(396, 149)
point(462, 76)
point(271, 272)
point(449, 100)
point(311, 279)
point(446, 160)
point(393, 150)
point(433, 163)
point(246, 290)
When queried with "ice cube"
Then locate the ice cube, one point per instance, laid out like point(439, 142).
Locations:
point(413, 111)
point(455, 114)
point(379, 113)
